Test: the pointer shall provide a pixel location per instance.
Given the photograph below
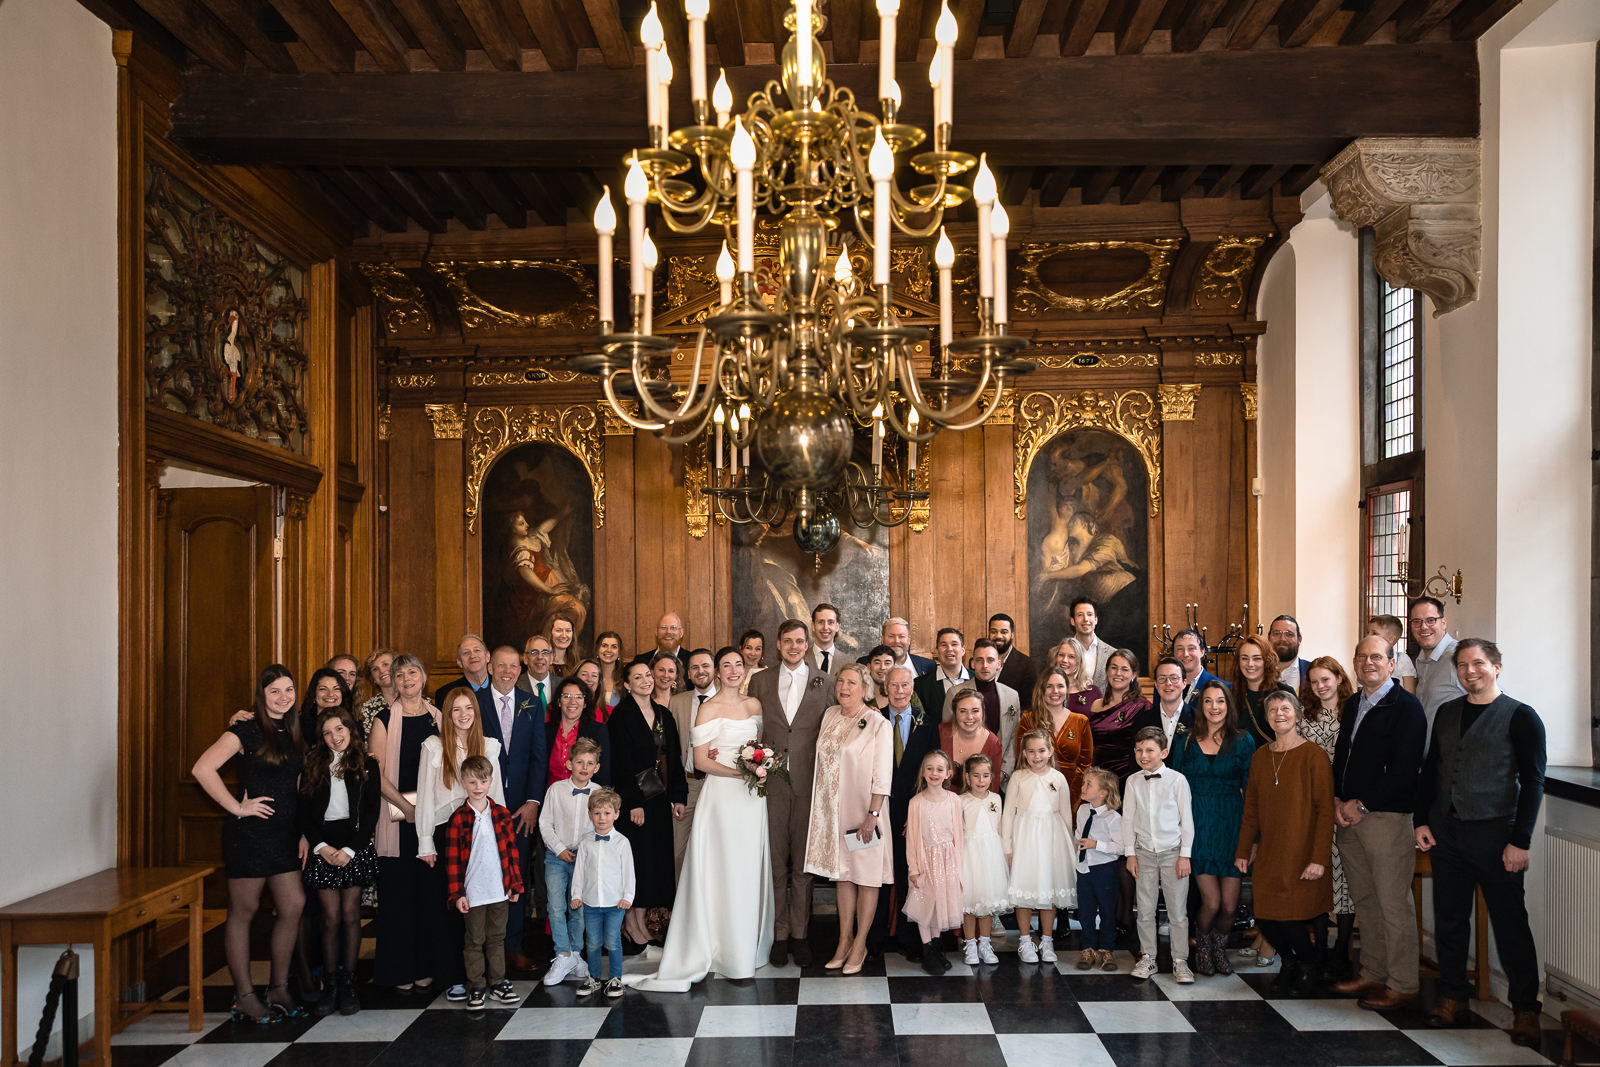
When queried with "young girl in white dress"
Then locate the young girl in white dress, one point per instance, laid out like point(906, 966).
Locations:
point(985, 880)
point(1035, 829)
point(933, 858)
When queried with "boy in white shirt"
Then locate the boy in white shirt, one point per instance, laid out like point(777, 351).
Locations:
point(1157, 836)
point(603, 886)
point(1099, 834)
point(563, 821)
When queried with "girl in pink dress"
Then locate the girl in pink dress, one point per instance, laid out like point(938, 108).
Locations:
point(933, 858)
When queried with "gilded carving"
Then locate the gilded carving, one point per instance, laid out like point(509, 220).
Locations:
point(1247, 396)
point(404, 309)
point(448, 420)
point(1218, 359)
point(531, 376)
point(295, 504)
point(1130, 414)
point(1177, 402)
point(696, 504)
point(413, 381)
point(224, 318)
point(614, 426)
point(477, 313)
point(1088, 359)
point(1147, 292)
point(494, 429)
point(1226, 270)
point(385, 414)
point(1421, 196)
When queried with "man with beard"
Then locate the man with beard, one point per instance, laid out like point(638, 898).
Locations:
point(1284, 637)
point(1016, 669)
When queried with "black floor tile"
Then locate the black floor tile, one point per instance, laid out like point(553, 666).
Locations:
point(968, 1050)
point(837, 1050)
point(651, 1015)
point(1271, 1050)
point(232, 1033)
point(1039, 1017)
point(345, 1054)
point(753, 991)
point(930, 990)
point(525, 1053)
point(1162, 1050)
point(1112, 987)
point(1357, 1048)
point(844, 1021)
point(1233, 1016)
point(143, 1055)
point(722, 1051)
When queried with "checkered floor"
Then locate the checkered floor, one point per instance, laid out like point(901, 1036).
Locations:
point(1025, 1016)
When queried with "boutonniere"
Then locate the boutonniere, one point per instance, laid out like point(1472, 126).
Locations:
point(816, 681)
point(1053, 787)
point(916, 720)
point(861, 724)
point(992, 808)
point(1011, 712)
point(1071, 736)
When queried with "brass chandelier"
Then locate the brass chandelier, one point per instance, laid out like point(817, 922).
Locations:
point(796, 354)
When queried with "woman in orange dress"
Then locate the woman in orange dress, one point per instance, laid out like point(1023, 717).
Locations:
point(1072, 739)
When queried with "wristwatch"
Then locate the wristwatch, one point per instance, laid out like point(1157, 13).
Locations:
point(873, 814)
point(1362, 808)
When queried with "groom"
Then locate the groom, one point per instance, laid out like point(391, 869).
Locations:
point(793, 698)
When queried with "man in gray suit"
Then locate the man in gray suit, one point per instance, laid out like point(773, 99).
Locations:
point(793, 697)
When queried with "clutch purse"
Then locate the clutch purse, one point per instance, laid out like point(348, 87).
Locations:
point(649, 783)
point(395, 814)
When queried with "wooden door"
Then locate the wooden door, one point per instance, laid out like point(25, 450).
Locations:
point(215, 605)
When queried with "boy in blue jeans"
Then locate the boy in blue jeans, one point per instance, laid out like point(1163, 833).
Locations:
point(603, 885)
point(563, 822)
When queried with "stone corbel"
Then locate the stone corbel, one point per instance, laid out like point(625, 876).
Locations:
point(1421, 196)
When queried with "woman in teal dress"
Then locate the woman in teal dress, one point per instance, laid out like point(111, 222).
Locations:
point(1215, 757)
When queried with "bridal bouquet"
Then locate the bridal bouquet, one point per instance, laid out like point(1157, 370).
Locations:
point(757, 761)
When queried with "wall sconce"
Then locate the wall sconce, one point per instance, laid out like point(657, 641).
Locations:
point(1438, 586)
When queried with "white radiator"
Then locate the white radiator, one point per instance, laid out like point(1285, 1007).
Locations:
point(1573, 908)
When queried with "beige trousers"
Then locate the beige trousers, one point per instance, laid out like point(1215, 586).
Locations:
point(1380, 856)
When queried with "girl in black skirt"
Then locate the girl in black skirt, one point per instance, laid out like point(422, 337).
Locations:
point(261, 845)
point(338, 812)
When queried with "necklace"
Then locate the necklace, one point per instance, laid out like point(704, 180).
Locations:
point(1277, 764)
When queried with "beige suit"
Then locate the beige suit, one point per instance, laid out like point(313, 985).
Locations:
point(683, 707)
point(789, 803)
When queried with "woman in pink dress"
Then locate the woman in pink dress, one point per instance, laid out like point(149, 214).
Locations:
point(933, 859)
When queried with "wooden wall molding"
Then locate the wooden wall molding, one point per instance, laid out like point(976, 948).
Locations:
point(180, 437)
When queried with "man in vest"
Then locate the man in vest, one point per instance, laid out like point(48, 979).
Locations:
point(1479, 798)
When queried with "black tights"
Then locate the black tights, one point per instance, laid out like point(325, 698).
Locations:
point(1295, 940)
point(1219, 899)
point(341, 913)
point(244, 898)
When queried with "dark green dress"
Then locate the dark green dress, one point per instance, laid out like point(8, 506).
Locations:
point(1217, 785)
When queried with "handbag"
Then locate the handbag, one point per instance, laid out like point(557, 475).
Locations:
point(395, 814)
point(649, 781)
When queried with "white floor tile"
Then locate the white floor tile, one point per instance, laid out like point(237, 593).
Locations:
point(1218, 987)
point(246, 1054)
point(366, 1025)
point(1329, 1015)
point(638, 1052)
point(1467, 1048)
point(747, 1020)
point(1031, 1050)
point(852, 990)
point(941, 1019)
point(553, 1024)
point(1134, 1017)
point(168, 1028)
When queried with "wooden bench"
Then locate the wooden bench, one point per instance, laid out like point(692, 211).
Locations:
point(96, 911)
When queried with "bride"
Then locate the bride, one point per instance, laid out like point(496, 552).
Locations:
point(722, 920)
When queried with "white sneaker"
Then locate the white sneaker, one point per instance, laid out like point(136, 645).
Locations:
point(1181, 972)
point(969, 954)
point(986, 951)
point(1025, 950)
point(560, 968)
point(580, 967)
point(1147, 967)
point(1047, 950)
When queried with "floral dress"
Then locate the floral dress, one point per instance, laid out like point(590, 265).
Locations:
point(1323, 732)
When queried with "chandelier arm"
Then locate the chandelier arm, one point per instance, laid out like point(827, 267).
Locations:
point(994, 405)
point(690, 409)
point(941, 415)
point(669, 203)
point(617, 409)
point(690, 435)
point(905, 227)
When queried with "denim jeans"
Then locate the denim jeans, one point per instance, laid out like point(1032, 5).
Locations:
point(603, 926)
point(566, 924)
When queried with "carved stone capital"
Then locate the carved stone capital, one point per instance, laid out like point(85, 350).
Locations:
point(449, 420)
point(1247, 396)
point(1177, 402)
point(385, 416)
point(1422, 198)
point(296, 504)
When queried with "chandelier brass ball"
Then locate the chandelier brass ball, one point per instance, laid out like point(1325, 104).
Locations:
point(818, 534)
point(804, 440)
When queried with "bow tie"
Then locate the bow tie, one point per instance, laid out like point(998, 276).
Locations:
point(584, 791)
point(602, 837)
point(1150, 776)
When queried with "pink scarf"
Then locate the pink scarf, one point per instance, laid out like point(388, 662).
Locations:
point(387, 839)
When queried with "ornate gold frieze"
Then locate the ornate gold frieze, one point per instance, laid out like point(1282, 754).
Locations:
point(1073, 357)
point(413, 381)
point(696, 505)
point(448, 420)
point(481, 379)
point(1146, 292)
point(385, 413)
point(404, 308)
point(1218, 359)
point(575, 428)
point(1247, 396)
point(1177, 402)
point(1130, 414)
point(1226, 271)
point(477, 313)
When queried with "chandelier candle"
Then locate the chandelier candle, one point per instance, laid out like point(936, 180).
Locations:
point(605, 224)
point(722, 98)
point(945, 34)
point(743, 152)
point(1000, 226)
point(697, 10)
point(887, 12)
point(935, 82)
point(944, 257)
point(802, 43)
point(637, 190)
point(719, 417)
point(649, 256)
point(881, 166)
point(983, 192)
point(725, 277)
point(664, 88)
point(650, 37)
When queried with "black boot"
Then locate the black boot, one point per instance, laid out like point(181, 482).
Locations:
point(1201, 958)
point(349, 1003)
point(1288, 982)
point(1219, 953)
point(933, 961)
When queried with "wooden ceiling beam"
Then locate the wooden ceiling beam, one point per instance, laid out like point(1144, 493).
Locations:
point(1299, 20)
point(1364, 25)
point(1257, 17)
point(729, 35)
point(755, 19)
point(1471, 19)
point(492, 32)
point(606, 22)
point(969, 24)
point(1301, 178)
point(199, 31)
point(1139, 185)
point(1099, 183)
point(356, 219)
point(372, 203)
point(1175, 181)
point(1080, 25)
point(907, 36)
point(1261, 180)
point(461, 202)
point(1227, 180)
point(675, 35)
point(1419, 17)
point(554, 40)
point(376, 33)
point(1023, 28)
point(1197, 22)
point(435, 37)
point(1138, 22)
point(1264, 107)
point(240, 16)
point(500, 197)
point(844, 22)
point(400, 189)
point(308, 19)
point(550, 206)
point(127, 15)
point(1015, 185)
point(1054, 189)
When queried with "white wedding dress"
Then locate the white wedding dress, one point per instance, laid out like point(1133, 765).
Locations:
point(723, 912)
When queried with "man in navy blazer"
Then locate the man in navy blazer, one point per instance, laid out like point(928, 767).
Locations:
point(1189, 649)
point(896, 636)
point(523, 768)
point(918, 735)
point(1284, 637)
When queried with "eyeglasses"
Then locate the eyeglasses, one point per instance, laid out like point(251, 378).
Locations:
point(1432, 620)
point(1280, 633)
point(538, 652)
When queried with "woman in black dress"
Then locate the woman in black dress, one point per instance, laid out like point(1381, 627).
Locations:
point(642, 732)
point(410, 895)
point(339, 808)
point(325, 691)
point(261, 844)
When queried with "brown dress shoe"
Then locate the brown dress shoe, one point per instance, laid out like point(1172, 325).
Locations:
point(1358, 986)
point(517, 961)
point(1387, 999)
point(1525, 1029)
point(1447, 1013)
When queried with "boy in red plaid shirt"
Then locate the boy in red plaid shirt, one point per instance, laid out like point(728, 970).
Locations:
point(483, 878)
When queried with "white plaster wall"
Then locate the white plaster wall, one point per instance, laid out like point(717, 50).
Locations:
point(1275, 436)
point(58, 459)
